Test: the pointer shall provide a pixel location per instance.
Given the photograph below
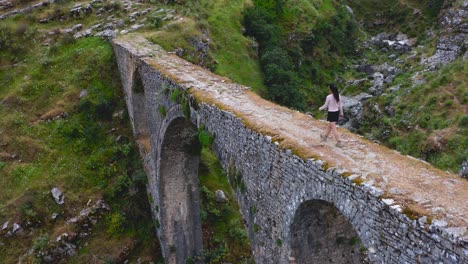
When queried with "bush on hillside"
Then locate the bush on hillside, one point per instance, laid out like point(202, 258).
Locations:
point(260, 24)
point(434, 7)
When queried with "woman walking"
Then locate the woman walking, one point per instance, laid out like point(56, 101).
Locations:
point(334, 104)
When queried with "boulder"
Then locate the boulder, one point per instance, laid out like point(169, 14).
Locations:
point(73, 29)
point(134, 15)
point(84, 33)
point(107, 34)
point(396, 42)
point(83, 93)
point(367, 68)
point(377, 83)
point(16, 228)
point(77, 27)
point(54, 216)
point(386, 69)
point(220, 196)
point(418, 79)
point(353, 109)
point(5, 4)
point(5, 225)
point(58, 196)
point(464, 169)
point(79, 10)
point(136, 26)
point(179, 52)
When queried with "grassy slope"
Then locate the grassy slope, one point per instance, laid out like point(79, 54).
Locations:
point(430, 118)
point(436, 115)
point(393, 16)
point(77, 154)
point(231, 50)
point(224, 236)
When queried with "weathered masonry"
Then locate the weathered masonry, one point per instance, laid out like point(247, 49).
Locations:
point(303, 201)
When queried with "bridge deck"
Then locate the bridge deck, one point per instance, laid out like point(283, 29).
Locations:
point(411, 183)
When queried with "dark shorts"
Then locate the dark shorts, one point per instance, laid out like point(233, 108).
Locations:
point(333, 116)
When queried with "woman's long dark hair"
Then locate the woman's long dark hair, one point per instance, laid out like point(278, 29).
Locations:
point(335, 92)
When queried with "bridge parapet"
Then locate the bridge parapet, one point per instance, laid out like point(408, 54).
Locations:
point(401, 209)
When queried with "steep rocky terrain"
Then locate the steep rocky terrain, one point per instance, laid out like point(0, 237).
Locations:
point(413, 94)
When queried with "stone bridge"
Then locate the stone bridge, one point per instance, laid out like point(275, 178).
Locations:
point(303, 201)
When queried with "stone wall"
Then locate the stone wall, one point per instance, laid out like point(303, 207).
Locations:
point(277, 183)
point(278, 192)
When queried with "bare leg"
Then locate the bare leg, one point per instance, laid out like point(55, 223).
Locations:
point(335, 132)
point(327, 131)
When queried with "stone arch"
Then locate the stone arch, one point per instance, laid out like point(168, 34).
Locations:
point(320, 233)
point(138, 107)
point(178, 188)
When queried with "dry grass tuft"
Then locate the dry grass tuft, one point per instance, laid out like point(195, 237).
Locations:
point(52, 114)
point(414, 211)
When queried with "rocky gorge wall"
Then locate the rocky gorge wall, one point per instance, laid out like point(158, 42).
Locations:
point(303, 201)
point(452, 40)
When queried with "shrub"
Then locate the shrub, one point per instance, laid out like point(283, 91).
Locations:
point(209, 203)
point(98, 103)
point(116, 223)
point(162, 110)
point(287, 94)
point(176, 96)
point(155, 21)
point(256, 228)
point(120, 185)
point(205, 138)
point(463, 122)
point(215, 255)
point(275, 55)
point(259, 23)
point(6, 38)
point(279, 242)
point(117, 5)
point(434, 7)
point(21, 29)
point(40, 242)
point(238, 233)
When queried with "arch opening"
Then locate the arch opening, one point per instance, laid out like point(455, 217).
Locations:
point(179, 191)
point(138, 112)
point(320, 233)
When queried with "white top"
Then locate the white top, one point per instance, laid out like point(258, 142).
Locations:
point(332, 104)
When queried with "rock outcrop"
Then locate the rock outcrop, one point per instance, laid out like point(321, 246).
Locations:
point(464, 169)
point(453, 22)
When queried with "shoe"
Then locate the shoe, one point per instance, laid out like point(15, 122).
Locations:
point(323, 137)
point(339, 144)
